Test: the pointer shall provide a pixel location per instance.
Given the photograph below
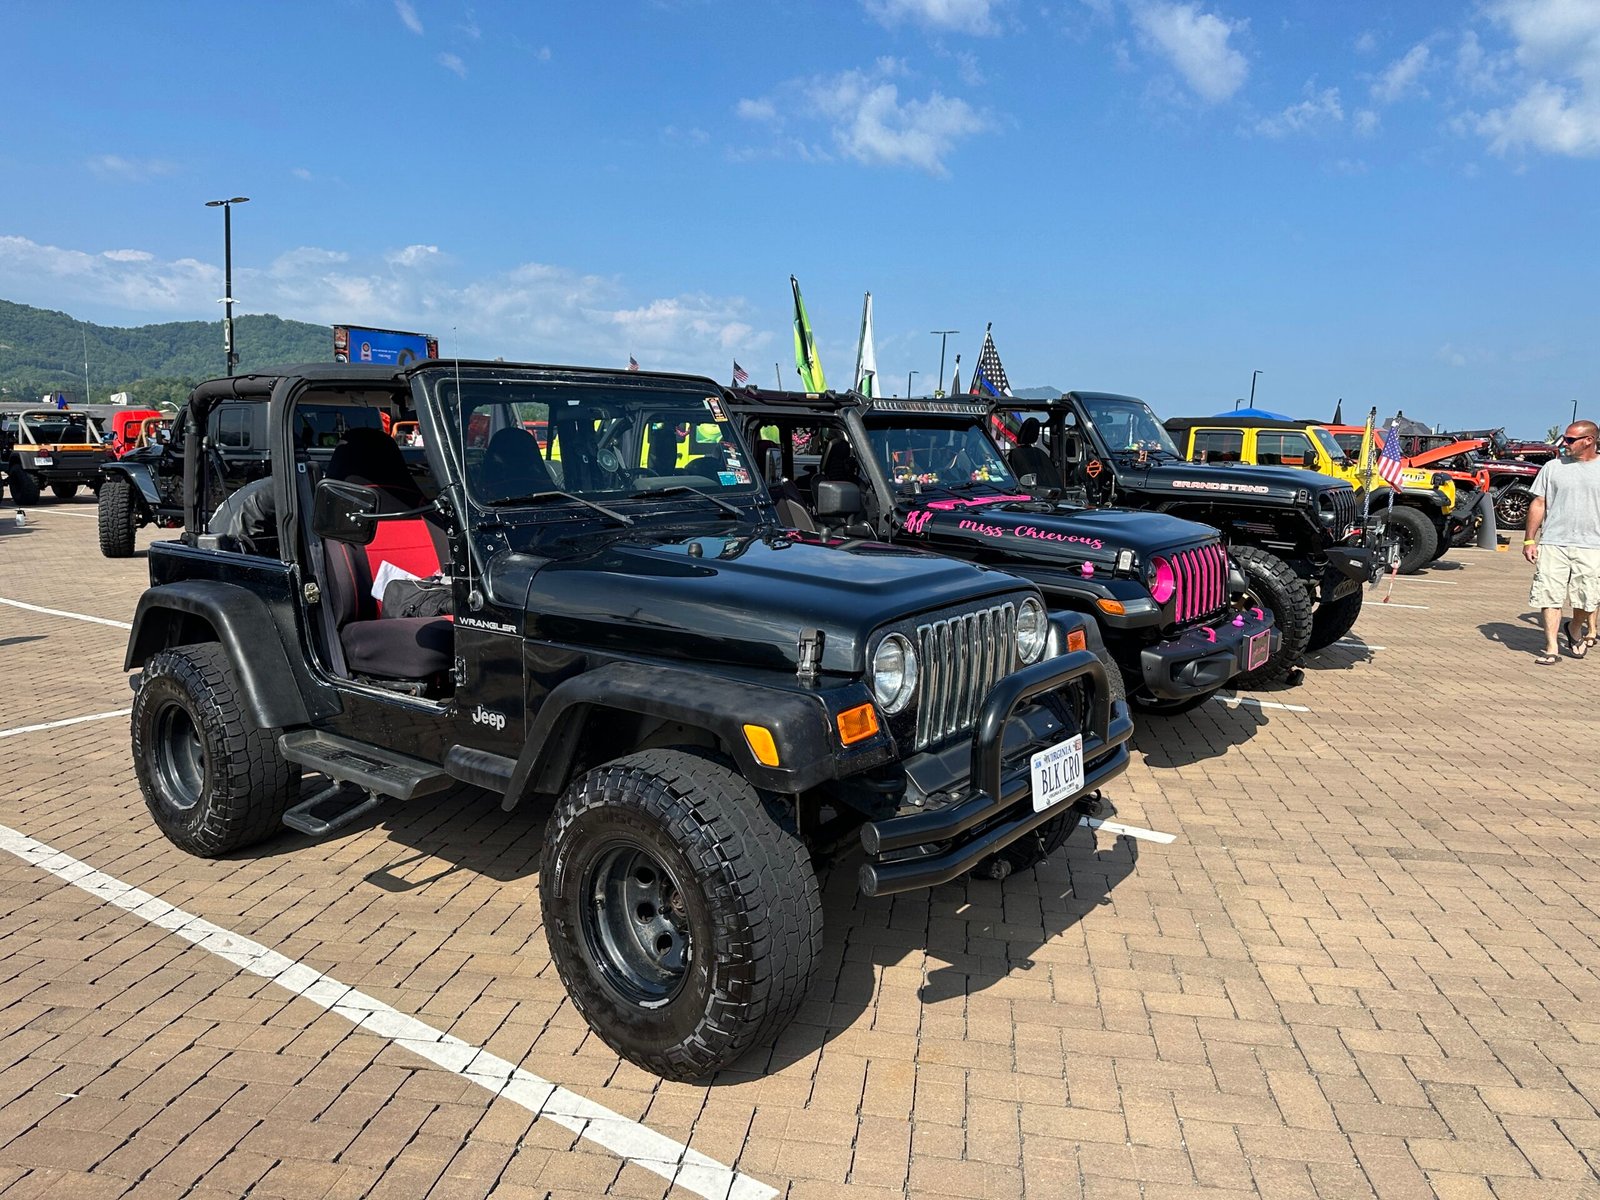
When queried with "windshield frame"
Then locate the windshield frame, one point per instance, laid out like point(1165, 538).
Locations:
point(903, 485)
point(1092, 410)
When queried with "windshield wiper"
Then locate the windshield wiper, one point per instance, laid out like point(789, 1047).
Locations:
point(684, 487)
point(538, 497)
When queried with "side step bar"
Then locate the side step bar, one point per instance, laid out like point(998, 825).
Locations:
point(344, 760)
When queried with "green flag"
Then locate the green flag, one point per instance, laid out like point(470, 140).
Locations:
point(805, 345)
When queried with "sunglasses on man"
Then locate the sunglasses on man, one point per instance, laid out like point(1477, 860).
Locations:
point(1569, 440)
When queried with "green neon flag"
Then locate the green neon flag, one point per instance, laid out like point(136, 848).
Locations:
point(805, 346)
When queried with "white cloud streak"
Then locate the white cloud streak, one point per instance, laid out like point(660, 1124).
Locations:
point(1403, 76)
point(129, 170)
point(1318, 109)
point(408, 16)
point(1556, 47)
point(975, 17)
point(1196, 44)
point(452, 62)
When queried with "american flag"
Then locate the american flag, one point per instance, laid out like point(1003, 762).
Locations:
point(1388, 463)
point(633, 363)
point(989, 377)
point(740, 375)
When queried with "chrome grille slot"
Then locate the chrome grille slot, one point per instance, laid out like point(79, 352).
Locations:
point(962, 658)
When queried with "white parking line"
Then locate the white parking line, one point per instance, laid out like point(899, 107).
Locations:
point(1358, 645)
point(629, 1140)
point(121, 712)
point(58, 612)
point(1392, 604)
point(1133, 831)
point(1236, 701)
point(47, 511)
point(1435, 582)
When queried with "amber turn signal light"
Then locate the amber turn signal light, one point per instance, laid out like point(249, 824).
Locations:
point(761, 744)
point(1114, 607)
point(1077, 640)
point(857, 724)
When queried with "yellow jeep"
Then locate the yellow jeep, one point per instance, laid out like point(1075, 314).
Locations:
point(1418, 517)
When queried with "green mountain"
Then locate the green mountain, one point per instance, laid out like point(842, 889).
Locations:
point(43, 351)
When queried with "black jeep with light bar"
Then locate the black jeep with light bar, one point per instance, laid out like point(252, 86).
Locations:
point(1176, 617)
point(584, 598)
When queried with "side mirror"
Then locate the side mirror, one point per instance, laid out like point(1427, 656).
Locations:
point(344, 512)
point(837, 500)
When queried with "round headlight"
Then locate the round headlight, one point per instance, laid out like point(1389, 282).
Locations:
point(894, 673)
point(1033, 630)
point(1162, 578)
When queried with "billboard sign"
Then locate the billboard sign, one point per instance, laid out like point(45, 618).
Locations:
point(385, 347)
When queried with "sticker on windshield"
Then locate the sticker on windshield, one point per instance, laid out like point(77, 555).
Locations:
point(714, 408)
point(733, 478)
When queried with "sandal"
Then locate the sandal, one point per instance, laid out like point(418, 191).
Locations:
point(1577, 643)
point(1547, 660)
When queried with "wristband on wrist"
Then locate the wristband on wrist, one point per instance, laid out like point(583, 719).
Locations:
point(1530, 541)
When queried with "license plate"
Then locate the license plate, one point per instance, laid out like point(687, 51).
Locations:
point(1057, 773)
point(1257, 649)
point(43, 460)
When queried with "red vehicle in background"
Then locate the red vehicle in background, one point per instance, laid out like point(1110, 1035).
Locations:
point(1509, 477)
point(128, 428)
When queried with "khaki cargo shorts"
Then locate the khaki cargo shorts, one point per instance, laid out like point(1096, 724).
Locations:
point(1566, 573)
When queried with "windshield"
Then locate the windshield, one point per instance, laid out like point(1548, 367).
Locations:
point(46, 429)
point(1330, 446)
point(1126, 424)
point(526, 439)
point(939, 455)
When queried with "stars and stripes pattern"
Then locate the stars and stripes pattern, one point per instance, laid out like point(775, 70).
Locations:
point(1388, 463)
point(989, 377)
point(633, 363)
point(740, 375)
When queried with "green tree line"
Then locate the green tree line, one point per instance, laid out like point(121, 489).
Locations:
point(43, 351)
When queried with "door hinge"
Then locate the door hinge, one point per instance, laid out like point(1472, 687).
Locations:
point(312, 593)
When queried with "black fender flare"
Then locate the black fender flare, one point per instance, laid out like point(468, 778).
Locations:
point(138, 475)
point(172, 613)
point(801, 725)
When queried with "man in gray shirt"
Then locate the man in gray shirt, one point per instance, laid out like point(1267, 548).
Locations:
point(1563, 541)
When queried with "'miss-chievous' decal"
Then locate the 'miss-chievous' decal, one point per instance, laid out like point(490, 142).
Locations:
point(916, 522)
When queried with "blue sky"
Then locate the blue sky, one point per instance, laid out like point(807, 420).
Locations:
point(1392, 204)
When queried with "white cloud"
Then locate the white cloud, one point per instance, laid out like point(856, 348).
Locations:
point(536, 311)
point(1318, 108)
point(1196, 44)
point(1402, 77)
point(408, 15)
point(1367, 43)
point(756, 110)
point(132, 170)
point(302, 173)
point(967, 69)
point(1557, 50)
point(1365, 123)
point(452, 62)
point(976, 17)
point(872, 125)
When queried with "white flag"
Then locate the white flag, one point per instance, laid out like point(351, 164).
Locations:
point(866, 354)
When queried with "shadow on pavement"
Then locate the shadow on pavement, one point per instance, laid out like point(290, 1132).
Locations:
point(1204, 732)
point(1524, 638)
point(1340, 657)
point(27, 637)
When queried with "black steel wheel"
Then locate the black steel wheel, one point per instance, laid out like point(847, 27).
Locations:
point(24, 487)
point(1284, 593)
point(1417, 537)
point(1334, 619)
point(116, 518)
point(212, 779)
point(63, 491)
point(683, 918)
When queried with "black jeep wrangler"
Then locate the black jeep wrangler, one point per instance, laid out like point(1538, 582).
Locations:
point(145, 486)
point(1299, 537)
point(1175, 616)
point(52, 448)
point(584, 597)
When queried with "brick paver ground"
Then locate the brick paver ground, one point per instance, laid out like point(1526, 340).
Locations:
point(1368, 965)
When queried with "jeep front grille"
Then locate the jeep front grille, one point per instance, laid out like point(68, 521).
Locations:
point(1202, 583)
point(1346, 511)
point(962, 658)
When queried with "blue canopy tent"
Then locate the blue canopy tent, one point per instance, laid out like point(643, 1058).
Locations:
point(1258, 414)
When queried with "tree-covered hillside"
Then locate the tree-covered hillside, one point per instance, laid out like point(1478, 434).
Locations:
point(42, 351)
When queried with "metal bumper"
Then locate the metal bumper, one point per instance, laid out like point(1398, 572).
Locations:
point(1348, 568)
point(933, 846)
point(1203, 659)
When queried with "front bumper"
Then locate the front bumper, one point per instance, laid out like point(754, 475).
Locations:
point(1202, 659)
point(990, 805)
point(1348, 567)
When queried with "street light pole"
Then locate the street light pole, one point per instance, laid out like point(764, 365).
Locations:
point(909, 374)
point(1253, 375)
point(227, 275)
point(943, 335)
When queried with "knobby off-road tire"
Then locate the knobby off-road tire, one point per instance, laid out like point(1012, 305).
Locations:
point(684, 920)
point(63, 491)
point(116, 518)
point(1285, 594)
point(1418, 538)
point(24, 488)
point(212, 779)
point(1334, 619)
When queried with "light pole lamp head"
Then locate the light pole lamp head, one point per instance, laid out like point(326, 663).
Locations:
point(233, 200)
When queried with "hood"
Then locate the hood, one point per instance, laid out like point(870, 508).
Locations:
point(1279, 485)
point(743, 601)
point(1000, 528)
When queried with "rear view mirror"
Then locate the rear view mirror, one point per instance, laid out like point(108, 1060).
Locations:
point(837, 499)
point(344, 512)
